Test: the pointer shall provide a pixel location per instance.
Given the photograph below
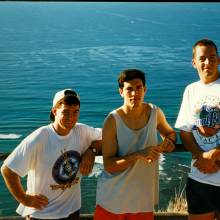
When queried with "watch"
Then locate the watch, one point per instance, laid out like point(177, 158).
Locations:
point(94, 150)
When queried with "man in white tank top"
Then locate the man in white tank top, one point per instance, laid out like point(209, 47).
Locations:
point(127, 188)
point(53, 157)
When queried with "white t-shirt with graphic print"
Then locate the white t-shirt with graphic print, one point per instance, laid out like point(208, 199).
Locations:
point(51, 164)
point(200, 114)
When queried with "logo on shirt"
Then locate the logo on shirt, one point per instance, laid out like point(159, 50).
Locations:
point(65, 170)
point(207, 119)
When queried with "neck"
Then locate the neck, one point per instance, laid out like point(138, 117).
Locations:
point(133, 110)
point(60, 131)
point(210, 80)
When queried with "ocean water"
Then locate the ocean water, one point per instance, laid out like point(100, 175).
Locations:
point(45, 47)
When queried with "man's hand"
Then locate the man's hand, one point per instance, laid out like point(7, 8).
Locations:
point(36, 201)
point(167, 145)
point(206, 164)
point(15, 187)
point(149, 154)
point(87, 162)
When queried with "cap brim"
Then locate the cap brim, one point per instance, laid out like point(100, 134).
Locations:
point(67, 96)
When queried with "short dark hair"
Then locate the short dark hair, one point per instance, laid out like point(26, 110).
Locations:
point(69, 100)
point(204, 42)
point(130, 74)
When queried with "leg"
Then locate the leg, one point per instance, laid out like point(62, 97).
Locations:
point(207, 216)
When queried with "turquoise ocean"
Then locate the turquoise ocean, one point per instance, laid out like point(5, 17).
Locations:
point(49, 46)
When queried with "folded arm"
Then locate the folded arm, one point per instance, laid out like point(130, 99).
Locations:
point(206, 162)
point(114, 163)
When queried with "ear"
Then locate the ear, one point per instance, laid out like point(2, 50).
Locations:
point(53, 110)
point(145, 89)
point(121, 92)
point(194, 63)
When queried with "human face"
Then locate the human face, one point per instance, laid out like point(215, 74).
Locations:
point(133, 92)
point(206, 62)
point(66, 117)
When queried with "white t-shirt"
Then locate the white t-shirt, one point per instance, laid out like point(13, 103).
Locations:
point(200, 114)
point(51, 164)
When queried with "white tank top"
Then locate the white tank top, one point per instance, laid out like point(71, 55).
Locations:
point(136, 188)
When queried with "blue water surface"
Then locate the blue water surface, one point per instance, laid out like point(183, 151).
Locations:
point(48, 46)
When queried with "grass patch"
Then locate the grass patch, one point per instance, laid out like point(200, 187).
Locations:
point(178, 204)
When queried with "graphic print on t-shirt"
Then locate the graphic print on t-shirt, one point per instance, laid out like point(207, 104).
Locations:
point(65, 169)
point(207, 120)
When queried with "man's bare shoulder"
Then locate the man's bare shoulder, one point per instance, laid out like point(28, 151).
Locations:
point(110, 119)
point(148, 107)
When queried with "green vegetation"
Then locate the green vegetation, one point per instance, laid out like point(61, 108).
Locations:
point(178, 204)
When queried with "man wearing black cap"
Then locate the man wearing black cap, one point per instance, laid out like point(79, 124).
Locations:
point(53, 157)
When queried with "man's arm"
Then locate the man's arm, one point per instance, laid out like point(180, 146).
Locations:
point(205, 161)
point(190, 144)
point(114, 163)
point(13, 183)
point(88, 158)
point(166, 131)
point(214, 153)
